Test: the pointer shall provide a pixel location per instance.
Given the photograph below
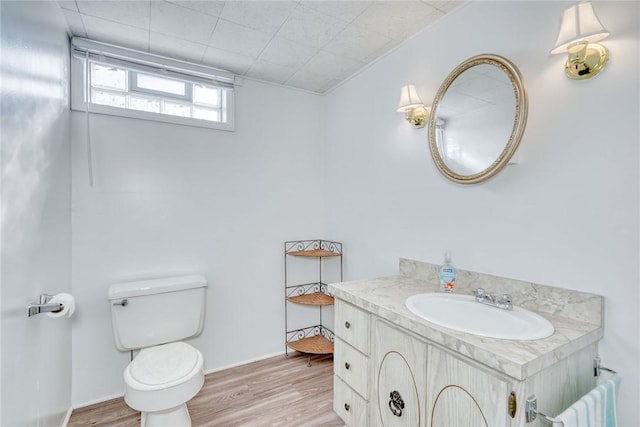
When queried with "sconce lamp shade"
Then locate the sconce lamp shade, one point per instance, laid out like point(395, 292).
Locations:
point(409, 99)
point(579, 23)
point(414, 110)
point(580, 32)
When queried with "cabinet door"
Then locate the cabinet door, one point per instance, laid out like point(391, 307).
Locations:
point(399, 376)
point(459, 394)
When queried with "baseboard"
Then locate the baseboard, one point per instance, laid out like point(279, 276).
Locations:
point(235, 365)
point(97, 401)
point(67, 417)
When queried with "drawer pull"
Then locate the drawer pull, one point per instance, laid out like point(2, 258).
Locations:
point(396, 404)
point(347, 407)
point(347, 325)
point(347, 365)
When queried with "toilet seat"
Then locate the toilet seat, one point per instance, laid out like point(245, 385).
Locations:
point(150, 383)
point(163, 364)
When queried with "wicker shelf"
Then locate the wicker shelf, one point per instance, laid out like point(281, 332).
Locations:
point(314, 253)
point(312, 345)
point(316, 298)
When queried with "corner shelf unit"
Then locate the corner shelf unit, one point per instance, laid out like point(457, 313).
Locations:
point(315, 338)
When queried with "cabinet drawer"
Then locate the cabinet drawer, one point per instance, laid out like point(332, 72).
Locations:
point(352, 366)
point(352, 325)
point(348, 404)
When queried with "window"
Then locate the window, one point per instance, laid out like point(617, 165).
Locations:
point(130, 88)
point(121, 88)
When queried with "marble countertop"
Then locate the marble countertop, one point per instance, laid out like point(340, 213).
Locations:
point(385, 297)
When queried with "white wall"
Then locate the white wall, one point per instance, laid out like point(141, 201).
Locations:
point(36, 216)
point(567, 216)
point(174, 199)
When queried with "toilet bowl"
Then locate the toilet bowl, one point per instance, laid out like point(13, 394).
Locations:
point(160, 380)
point(154, 316)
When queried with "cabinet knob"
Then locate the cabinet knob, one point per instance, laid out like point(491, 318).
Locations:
point(347, 325)
point(347, 365)
point(347, 407)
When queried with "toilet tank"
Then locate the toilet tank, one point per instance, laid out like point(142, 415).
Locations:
point(145, 313)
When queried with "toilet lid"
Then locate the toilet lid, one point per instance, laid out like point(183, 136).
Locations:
point(164, 363)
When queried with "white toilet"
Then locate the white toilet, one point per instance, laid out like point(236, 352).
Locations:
point(153, 316)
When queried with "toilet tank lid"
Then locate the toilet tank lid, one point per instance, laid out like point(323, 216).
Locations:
point(155, 286)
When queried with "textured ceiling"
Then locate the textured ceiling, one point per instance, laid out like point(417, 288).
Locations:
point(311, 45)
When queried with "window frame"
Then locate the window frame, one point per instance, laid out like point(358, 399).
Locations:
point(134, 62)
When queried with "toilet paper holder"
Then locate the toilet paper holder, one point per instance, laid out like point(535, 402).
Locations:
point(43, 306)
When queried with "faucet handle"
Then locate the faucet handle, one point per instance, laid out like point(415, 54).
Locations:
point(505, 302)
point(479, 293)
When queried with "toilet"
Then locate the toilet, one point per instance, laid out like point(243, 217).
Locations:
point(153, 316)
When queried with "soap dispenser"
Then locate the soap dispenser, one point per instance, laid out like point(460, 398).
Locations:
point(447, 275)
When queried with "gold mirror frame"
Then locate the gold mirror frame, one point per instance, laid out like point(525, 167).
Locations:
point(520, 118)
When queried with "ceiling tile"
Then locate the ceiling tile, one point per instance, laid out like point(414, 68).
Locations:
point(381, 51)
point(187, 24)
point(309, 27)
point(327, 64)
point(397, 19)
point(119, 34)
point(356, 43)
point(265, 16)
point(226, 60)
point(74, 22)
point(345, 11)
point(285, 52)
point(185, 50)
point(133, 13)
point(270, 72)
point(239, 39)
point(210, 7)
point(311, 81)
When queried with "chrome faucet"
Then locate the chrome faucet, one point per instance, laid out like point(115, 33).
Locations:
point(483, 297)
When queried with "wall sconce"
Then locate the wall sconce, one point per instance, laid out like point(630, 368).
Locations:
point(579, 31)
point(412, 107)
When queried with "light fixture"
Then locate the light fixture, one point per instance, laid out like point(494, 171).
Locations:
point(579, 31)
point(413, 108)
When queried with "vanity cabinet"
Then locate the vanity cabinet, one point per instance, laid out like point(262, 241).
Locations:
point(386, 375)
point(393, 368)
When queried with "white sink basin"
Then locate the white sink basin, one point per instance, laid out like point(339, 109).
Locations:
point(463, 313)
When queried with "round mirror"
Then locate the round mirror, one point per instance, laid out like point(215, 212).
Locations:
point(477, 119)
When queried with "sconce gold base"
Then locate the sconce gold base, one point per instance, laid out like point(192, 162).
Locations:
point(417, 117)
point(586, 63)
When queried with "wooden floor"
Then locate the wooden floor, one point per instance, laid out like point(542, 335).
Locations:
point(280, 391)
